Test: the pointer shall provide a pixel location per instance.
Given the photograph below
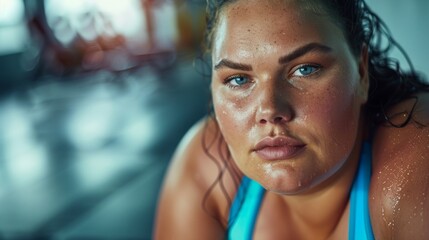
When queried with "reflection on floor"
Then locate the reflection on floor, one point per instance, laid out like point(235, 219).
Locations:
point(83, 158)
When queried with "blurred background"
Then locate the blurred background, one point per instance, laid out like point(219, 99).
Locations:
point(94, 97)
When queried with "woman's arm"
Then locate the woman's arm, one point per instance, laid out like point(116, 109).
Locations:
point(180, 212)
point(399, 195)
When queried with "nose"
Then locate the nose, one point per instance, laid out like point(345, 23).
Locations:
point(274, 106)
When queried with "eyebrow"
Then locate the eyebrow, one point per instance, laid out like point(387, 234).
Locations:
point(225, 63)
point(311, 47)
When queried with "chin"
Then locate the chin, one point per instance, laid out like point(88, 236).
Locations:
point(290, 185)
point(285, 185)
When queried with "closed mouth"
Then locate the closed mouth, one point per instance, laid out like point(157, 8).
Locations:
point(278, 148)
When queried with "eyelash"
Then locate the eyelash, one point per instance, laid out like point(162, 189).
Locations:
point(316, 67)
point(228, 81)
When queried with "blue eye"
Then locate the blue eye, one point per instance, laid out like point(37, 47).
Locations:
point(237, 81)
point(305, 70)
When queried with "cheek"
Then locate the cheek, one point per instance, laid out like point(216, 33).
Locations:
point(234, 116)
point(334, 107)
point(335, 117)
point(230, 115)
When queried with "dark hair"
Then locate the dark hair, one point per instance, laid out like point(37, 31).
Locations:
point(389, 84)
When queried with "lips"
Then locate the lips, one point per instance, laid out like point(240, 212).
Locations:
point(278, 148)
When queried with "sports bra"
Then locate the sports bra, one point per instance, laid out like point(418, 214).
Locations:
point(245, 207)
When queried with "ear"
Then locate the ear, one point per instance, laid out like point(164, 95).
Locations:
point(363, 74)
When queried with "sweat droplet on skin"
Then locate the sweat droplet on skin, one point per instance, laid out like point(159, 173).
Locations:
point(383, 215)
point(399, 176)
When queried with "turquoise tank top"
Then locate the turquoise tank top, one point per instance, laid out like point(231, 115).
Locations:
point(245, 207)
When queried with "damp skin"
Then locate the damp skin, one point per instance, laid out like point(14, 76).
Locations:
point(321, 109)
point(256, 93)
point(400, 182)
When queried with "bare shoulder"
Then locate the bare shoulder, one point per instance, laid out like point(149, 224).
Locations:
point(191, 204)
point(399, 194)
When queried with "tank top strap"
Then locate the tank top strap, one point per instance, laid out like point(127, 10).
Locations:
point(359, 220)
point(244, 210)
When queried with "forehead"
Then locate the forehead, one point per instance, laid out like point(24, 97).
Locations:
point(247, 26)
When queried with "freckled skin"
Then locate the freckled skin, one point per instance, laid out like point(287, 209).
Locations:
point(323, 111)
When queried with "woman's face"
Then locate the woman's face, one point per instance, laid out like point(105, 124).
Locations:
point(287, 93)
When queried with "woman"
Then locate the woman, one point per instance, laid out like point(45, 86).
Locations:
point(306, 102)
